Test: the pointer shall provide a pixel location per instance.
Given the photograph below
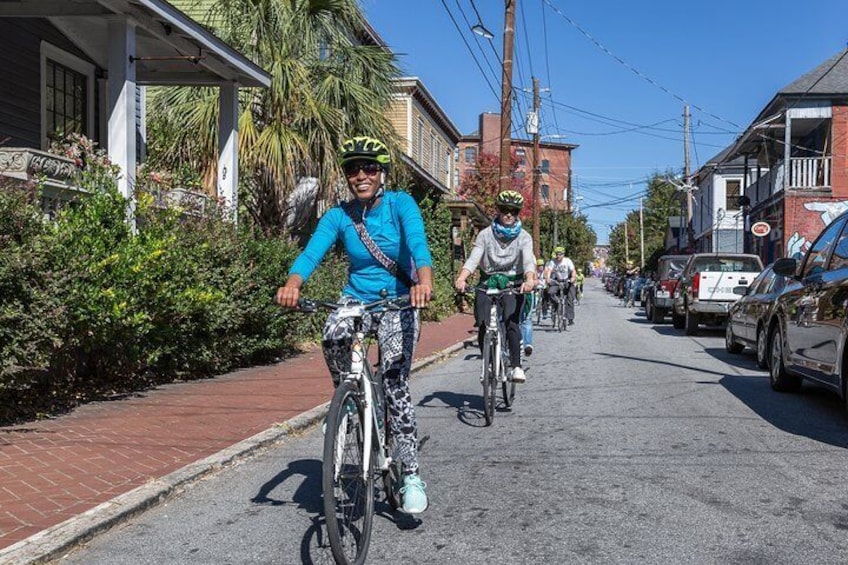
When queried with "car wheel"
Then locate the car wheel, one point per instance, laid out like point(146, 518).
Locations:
point(762, 348)
point(649, 309)
point(692, 320)
point(781, 380)
point(730, 343)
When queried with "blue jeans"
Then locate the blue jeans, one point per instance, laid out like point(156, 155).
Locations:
point(527, 320)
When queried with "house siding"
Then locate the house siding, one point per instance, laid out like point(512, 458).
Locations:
point(839, 163)
point(397, 116)
point(20, 65)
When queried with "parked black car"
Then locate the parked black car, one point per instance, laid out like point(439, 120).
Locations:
point(808, 333)
point(747, 323)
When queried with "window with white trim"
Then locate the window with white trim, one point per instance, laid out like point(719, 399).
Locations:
point(67, 94)
point(522, 157)
point(732, 189)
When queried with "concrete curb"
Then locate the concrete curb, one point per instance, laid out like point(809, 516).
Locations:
point(52, 543)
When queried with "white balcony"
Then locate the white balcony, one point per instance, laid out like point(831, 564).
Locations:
point(809, 172)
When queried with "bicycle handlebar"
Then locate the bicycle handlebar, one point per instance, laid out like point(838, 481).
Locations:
point(512, 288)
point(309, 305)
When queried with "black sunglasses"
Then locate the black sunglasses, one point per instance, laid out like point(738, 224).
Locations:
point(513, 211)
point(352, 169)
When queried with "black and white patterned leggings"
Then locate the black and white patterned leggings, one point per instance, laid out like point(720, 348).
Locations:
point(397, 333)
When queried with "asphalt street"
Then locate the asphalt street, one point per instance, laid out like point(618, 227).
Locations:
point(629, 443)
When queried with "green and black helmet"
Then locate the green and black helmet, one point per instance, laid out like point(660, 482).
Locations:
point(510, 199)
point(365, 148)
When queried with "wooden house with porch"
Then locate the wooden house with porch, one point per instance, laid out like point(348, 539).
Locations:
point(77, 67)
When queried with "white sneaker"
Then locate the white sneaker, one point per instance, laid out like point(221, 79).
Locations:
point(518, 375)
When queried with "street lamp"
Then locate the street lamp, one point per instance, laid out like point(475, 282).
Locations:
point(481, 30)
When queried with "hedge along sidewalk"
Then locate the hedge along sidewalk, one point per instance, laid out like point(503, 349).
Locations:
point(68, 479)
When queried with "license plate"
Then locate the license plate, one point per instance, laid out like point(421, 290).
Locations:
point(662, 294)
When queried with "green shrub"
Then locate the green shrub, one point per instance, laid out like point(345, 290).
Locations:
point(89, 309)
point(29, 312)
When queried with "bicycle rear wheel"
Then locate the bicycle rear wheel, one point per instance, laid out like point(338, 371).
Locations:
point(348, 492)
point(489, 383)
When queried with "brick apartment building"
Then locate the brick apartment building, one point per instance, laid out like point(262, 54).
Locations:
point(554, 161)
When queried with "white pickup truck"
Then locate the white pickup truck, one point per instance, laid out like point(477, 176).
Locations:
point(705, 292)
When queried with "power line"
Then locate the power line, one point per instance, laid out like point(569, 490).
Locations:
point(633, 69)
point(467, 46)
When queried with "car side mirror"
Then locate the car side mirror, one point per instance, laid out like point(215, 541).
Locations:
point(741, 290)
point(785, 267)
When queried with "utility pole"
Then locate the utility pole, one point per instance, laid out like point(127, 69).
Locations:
point(536, 204)
point(556, 216)
point(686, 174)
point(641, 236)
point(506, 96)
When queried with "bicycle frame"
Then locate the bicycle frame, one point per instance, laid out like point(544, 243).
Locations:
point(493, 328)
point(360, 372)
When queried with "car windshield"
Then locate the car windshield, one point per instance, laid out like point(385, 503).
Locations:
point(671, 268)
point(713, 264)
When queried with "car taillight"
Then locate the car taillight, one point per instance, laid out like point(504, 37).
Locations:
point(696, 283)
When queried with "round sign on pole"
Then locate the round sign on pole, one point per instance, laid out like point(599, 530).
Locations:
point(761, 229)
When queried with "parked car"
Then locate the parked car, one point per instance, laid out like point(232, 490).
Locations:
point(748, 321)
point(658, 296)
point(636, 289)
point(705, 292)
point(808, 333)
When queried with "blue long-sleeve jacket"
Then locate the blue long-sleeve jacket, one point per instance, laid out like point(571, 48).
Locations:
point(395, 225)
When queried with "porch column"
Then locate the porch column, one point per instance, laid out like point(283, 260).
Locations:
point(122, 107)
point(228, 147)
point(787, 152)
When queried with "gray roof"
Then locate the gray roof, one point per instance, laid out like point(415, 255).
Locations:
point(831, 77)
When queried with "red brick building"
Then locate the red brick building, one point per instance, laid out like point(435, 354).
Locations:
point(554, 161)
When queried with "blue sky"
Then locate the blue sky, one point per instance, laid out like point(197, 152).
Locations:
point(618, 72)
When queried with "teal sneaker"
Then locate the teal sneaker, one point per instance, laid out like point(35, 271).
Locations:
point(414, 497)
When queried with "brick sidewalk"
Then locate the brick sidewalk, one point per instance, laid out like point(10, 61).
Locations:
point(55, 470)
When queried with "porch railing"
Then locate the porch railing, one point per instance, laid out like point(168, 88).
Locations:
point(56, 176)
point(809, 172)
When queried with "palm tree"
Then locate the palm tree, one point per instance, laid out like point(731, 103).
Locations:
point(327, 85)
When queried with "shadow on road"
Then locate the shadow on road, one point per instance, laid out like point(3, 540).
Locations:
point(664, 363)
point(815, 412)
point(308, 493)
point(469, 407)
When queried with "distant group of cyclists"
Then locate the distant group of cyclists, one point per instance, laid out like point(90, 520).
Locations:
point(383, 234)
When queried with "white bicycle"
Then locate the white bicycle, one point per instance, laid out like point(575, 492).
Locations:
point(357, 440)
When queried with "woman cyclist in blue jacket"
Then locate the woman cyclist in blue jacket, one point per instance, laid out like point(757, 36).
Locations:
point(393, 222)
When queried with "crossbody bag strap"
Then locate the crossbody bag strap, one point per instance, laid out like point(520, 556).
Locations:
point(374, 249)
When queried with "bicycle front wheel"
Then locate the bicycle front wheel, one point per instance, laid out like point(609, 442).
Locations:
point(348, 488)
point(507, 386)
point(490, 368)
point(561, 321)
